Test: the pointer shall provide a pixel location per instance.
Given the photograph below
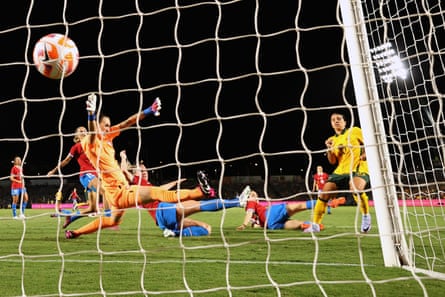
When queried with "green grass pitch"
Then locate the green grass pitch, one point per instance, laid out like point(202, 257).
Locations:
point(37, 260)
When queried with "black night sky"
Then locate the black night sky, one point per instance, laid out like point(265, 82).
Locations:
point(241, 97)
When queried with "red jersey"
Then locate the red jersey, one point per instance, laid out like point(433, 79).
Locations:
point(143, 182)
point(16, 173)
point(85, 165)
point(320, 179)
point(74, 195)
point(150, 206)
point(259, 212)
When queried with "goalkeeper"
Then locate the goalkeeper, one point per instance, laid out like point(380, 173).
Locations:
point(98, 146)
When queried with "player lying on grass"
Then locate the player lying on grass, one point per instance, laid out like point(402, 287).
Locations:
point(173, 218)
point(118, 193)
point(278, 216)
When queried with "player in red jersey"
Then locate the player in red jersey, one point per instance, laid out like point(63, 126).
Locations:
point(18, 188)
point(87, 175)
point(139, 175)
point(275, 216)
point(75, 198)
point(320, 178)
point(173, 218)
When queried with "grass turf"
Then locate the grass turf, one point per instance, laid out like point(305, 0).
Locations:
point(37, 260)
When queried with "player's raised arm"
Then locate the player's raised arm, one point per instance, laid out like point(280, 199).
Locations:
point(62, 164)
point(151, 110)
point(124, 166)
point(92, 125)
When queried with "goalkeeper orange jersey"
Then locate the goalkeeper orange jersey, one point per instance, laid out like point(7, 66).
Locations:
point(348, 147)
point(102, 155)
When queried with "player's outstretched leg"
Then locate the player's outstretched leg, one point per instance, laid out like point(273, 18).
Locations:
point(218, 204)
point(195, 231)
point(71, 218)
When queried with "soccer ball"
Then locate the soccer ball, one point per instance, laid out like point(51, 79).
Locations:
point(56, 55)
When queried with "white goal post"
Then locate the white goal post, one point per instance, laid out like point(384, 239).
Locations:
point(248, 89)
point(396, 59)
point(385, 199)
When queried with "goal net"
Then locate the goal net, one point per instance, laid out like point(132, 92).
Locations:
point(401, 78)
point(247, 90)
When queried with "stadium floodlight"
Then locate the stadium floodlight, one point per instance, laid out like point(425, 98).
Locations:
point(389, 65)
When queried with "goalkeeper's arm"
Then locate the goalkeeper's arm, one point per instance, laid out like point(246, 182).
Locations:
point(152, 110)
point(91, 108)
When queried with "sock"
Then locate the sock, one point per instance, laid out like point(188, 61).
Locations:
point(24, 206)
point(94, 225)
point(364, 205)
point(319, 211)
point(217, 204)
point(194, 231)
point(310, 204)
point(75, 216)
point(354, 195)
point(364, 202)
point(14, 209)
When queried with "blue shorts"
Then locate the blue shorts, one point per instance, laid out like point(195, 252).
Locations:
point(276, 216)
point(166, 216)
point(18, 192)
point(85, 181)
point(166, 219)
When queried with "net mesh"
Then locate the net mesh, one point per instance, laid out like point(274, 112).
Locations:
point(247, 88)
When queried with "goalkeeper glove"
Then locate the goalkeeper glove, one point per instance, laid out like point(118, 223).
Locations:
point(154, 108)
point(91, 103)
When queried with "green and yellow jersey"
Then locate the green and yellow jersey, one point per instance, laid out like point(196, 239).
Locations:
point(348, 147)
